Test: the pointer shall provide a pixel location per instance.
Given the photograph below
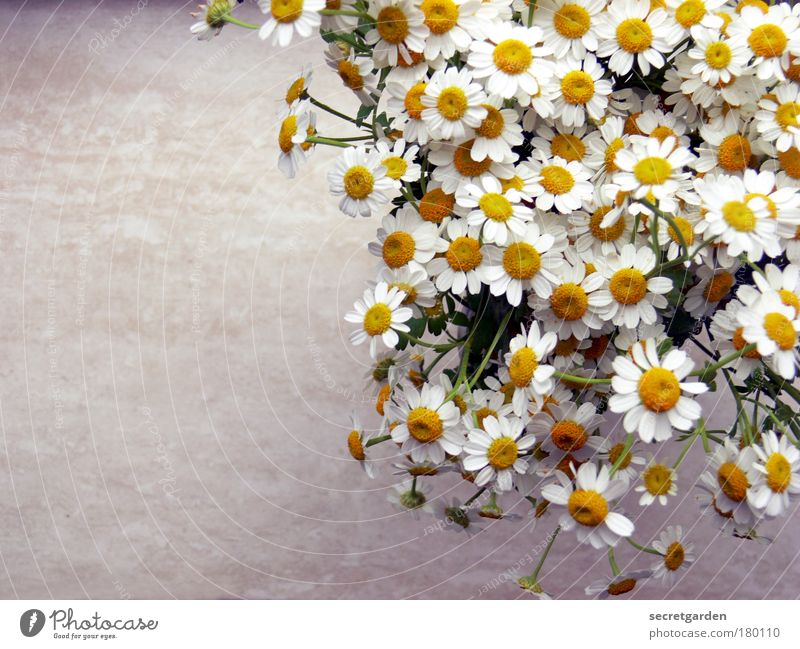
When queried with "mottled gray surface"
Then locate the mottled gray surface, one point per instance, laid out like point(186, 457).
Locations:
point(176, 381)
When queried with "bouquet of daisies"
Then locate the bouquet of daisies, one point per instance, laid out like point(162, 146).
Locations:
point(589, 216)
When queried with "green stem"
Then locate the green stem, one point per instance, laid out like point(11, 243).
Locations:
point(740, 411)
point(658, 213)
point(695, 434)
point(478, 372)
point(625, 450)
point(425, 343)
point(643, 548)
point(712, 368)
point(414, 486)
point(377, 440)
point(346, 12)
point(235, 21)
point(579, 379)
point(316, 139)
point(535, 574)
point(330, 110)
point(783, 384)
point(613, 561)
point(475, 497)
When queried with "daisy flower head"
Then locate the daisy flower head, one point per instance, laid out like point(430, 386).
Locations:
point(718, 59)
point(464, 262)
point(414, 282)
point(404, 106)
point(340, 22)
point(297, 124)
point(561, 184)
point(676, 555)
point(211, 19)
point(652, 392)
point(356, 440)
point(360, 179)
point(778, 467)
point(658, 482)
point(527, 262)
point(773, 326)
point(493, 451)
point(612, 452)
point(584, 92)
point(453, 104)
point(405, 239)
point(567, 429)
point(284, 17)
point(634, 33)
point(527, 368)
point(456, 167)
point(616, 585)
point(738, 218)
point(399, 30)
point(650, 168)
point(727, 333)
point(498, 213)
point(603, 150)
point(411, 495)
point(511, 61)
point(497, 133)
point(588, 504)
point(714, 286)
point(487, 403)
point(771, 37)
point(379, 314)
point(728, 480)
point(452, 24)
point(634, 297)
point(725, 146)
point(568, 26)
point(689, 13)
point(355, 73)
point(399, 160)
point(569, 142)
point(777, 120)
point(428, 424)
point(298, 88)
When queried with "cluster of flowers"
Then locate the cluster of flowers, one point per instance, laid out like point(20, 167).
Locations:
point(572, 193)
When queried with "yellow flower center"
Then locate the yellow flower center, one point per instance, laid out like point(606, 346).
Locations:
point(780, 329)
point(410, 291)
point(718, 55)
point(685, 228)
point(522, 366)
point(512, 56)
point(287, 132)
point(568, 435)
point(435, 205)
point(395, 167)
point(739, 216)
point(566, 347)
point(424, 425)
point(662, 132)
point(572, 21)
point(786, 115)
point(496, 207)
point(767, 41)
point(690, 13)
point(569, 301)
point(611, 155)
point(286, 11)
point(383, 395)
point(762, 6)
point(452, 103)
point(628, 286)
point(502, 453)
point(733, 481)
point(296, 90)
point(464, 254)
point(465, 165)
point(718, 287)
point(773, 209)
point(675, 556)
point(659, 389)
point(377, 319)
point(515, 182)
point(358, 182)
point(631, 127)
point(657, 479)
point(587, 507)
point(521, 260)
point(577, 87)
point(652, 171)
point(412, 102)
point(355, 445)
point(734, 153)
point(790, 162)
point(779, 473)
point(557, 180)
point(634, 35)
point(440, 15)
point(568, 146)
point(616, 452)
point(398, 249)
point(392, 25)
point(492, 125)
point(621, 587)
point(350, 75)
point(611, 233)
point(483, 413)
point(739, 342)
point(790, 299)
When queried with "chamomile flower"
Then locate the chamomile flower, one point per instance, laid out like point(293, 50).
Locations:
point(355, 73)
point(773, 326)
point(584, 92)
point(603, 150)
point(285, 17)
point(356, 440)
point(568, 26)
point(689, 13)
point(527, 262)
point(588, 504)
point(452, 24)
point(563, 185)
point(727, 333)
point(634, 297)
point(511, 60)
point(379, 314)
point(677, 555)
point(649, 167)
point(568, 429)
point(298, 88)
point(718, 60)
point(411, 495)
point(399, 30)
point(414, 282)
point(493, 451)
point(297, 124)
point(399, 160)
point(487, 403)
point(777, 121)
point(714, 286)
point(497, 133)
point(405, 239)
point(497, 213)
point(464, 262)
point(616, 585)
point(778, 463)
point(527, 368)
point(651, 392)
point(456, 167)
point(770, 36)
point(726, 146)
point(211, 19)
point(658, 482)
point(453, 103)
point(360, 179)
point(785, 282)
point(633, 33)
point(612, 453)
point(572, 143)
point(727, 481)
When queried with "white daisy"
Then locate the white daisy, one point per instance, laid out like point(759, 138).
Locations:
point(611, 452)
point(464, 262)
point(405, 239)
point(568, 26)
point(567, 429)
point(727, 333)
point(288, 16)
point(777, 121)
point(355, 73)
point(778, 462)
point(497, 213)
point(405, 107)
point(603, 150)
point(411, 495)
point(399, 29)
point(453, 104)
point(677, 555)
point(725, 146)
point(770, 36)
point(569, 142)
point(727, 481)
point(360, 179)
point(399, 160)
point(497, 133)
point(527, 370)
point(356, 441)
point(718, 59)
point(456, 167)
point(584, 92)
point(414, 282)
point(689, 13)
point(588, 504)
point(379, 314)
point(773, 326)
point(295, 128)
point(487, 403)
point(452, 24)
point(494, 451)
point(427, 424)
point(658, 482)
point(714, 285)
point(563, 185)
point(650, 391)
point(298, 88)
point(211, 19)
